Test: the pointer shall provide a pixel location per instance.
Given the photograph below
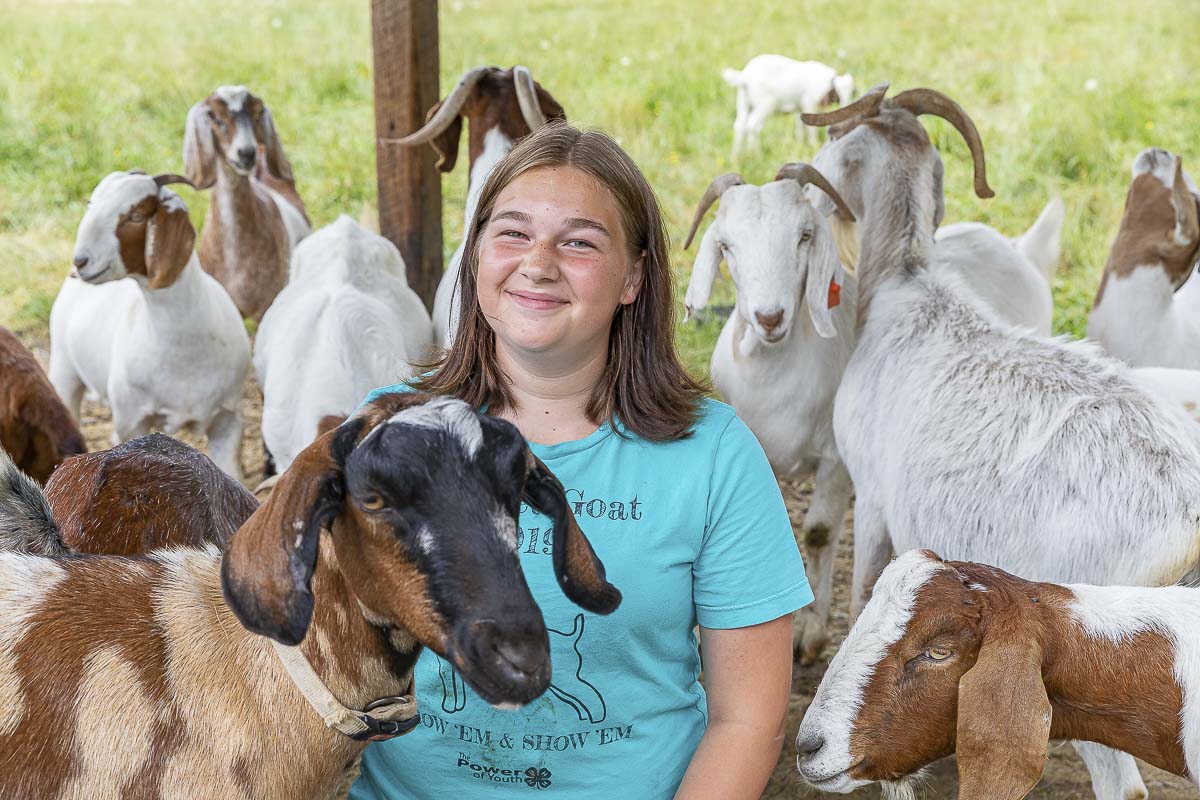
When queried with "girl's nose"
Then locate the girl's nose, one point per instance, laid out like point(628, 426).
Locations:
point(542, 263)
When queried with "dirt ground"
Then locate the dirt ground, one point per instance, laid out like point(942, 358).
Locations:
point(1065, 777)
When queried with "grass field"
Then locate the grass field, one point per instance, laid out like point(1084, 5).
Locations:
point(87, 88)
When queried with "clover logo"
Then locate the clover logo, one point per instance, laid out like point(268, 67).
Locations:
point(537, 778)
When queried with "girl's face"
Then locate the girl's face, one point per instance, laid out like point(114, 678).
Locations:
point(554, 265)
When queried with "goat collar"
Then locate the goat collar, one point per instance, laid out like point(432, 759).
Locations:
point(392, 717)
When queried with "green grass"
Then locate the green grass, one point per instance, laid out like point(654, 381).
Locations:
point(90, 88)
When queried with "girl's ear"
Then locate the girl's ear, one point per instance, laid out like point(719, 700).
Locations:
point(633, 283)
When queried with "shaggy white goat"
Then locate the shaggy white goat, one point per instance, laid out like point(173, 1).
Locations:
point(501, 106)
point(1147, 311)
point(165, 348)
point(345, 324)
point(771, 84)
point(978, 440)
point(780, 369)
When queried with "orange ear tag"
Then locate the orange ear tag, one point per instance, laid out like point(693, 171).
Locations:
point(835, 293)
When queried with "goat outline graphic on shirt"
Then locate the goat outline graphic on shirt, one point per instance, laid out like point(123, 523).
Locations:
point(567, 682)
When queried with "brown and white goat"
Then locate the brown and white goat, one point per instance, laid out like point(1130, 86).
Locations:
point(35, 427)
point(256, 216)
point(502, 106)
point(144, 494)
point(131, 676)
point(952, 656)
point(1147, 312)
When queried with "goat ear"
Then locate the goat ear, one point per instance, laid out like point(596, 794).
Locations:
point(1003, 720)
point(277, 163)
point(939, 194)
point(169, 240)
point(704, 273)
point(579, 572)
point(1187, 225)
point(445, 144)
point(822, 269)
point(267, 569)
point(199, 152)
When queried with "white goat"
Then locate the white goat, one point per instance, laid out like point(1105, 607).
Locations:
point(978, 440)
point(771, 84)
point(957, 656)
point(345, 324)
point(166, 348)
point(781, 370)
point(501, 106)
point(1147, 311)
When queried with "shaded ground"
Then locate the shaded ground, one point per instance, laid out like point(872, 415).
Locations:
point(1065, 777)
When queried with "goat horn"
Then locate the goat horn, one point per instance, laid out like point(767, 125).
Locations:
point(865, 106)
point(170, 177)
point(806, 173)
point(447, 111)
point(714, 190)
point(527, 98)
point(928, 101)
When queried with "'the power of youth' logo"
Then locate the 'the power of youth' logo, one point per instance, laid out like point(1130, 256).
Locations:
point(533, 777)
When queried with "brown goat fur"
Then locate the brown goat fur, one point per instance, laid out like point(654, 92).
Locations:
point(147, 493)
point(36, 430)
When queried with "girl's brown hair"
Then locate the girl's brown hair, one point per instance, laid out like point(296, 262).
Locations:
point(643, 385)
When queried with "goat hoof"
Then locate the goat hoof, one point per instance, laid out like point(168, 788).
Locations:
point(809, 637)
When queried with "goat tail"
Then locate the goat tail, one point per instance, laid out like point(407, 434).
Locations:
point(1042, 242)
point(26, 525)
point(732, 76)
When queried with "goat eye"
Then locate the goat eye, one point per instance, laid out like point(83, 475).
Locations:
point(137, 216)
point(806, 236)
point(938, 653)
point(372, 502)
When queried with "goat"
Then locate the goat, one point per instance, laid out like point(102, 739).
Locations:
point(1147, 311)
point(166, 348)
point(391, 533)
point(501, 106)
point(781, 370)
point(978, 440)
point(346, 323)
point(770, 84)
point(256, 217)
point(956, 656)
point(35, 428)
point(145, 494)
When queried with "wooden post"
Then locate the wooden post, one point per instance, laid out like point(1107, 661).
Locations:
point(404, 37)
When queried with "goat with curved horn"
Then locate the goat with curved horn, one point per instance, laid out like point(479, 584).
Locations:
point(168, 178)
point(806, 173)
point(527, 98)
point(447, 112)
point(865, 106)
point(715, 189)
point(929, 101)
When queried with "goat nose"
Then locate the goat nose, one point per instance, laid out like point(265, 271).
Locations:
point(80, 260)
point(769, 322)
point(246, 154)
point(526, 656)
point(522, 649)
point(809, 744)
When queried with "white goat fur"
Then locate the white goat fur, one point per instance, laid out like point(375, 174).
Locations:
point(1142, 319)
point(346, 323)
point(771, 84)
point(757, 233)
point(171, 358)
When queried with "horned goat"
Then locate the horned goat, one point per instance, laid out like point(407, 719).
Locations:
point(346, 323)
point(780, 357)
point(500, 106)
point(771, 84)
point(145, 494)
point(391, 533)
point(35, 428)
point(953, 656)
point(1147, 311)
point(167, 347)
point(976, 439)
point(256, 217)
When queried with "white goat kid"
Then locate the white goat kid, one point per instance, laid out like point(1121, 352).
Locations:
point(771, 84)
point(167, 347)
point(345, 324)
point(978, 440)
point(1147, 311)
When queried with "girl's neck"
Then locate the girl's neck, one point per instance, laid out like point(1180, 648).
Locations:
point(550, 399)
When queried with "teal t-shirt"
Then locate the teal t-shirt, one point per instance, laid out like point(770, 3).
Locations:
point(692, 532)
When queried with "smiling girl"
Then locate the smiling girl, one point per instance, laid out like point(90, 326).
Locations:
point(566, 331)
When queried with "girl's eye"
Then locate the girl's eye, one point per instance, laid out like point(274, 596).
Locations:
point(513, 235)
point(938, 653)
point(580, 243)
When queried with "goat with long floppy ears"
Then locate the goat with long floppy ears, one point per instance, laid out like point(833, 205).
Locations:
point(392, 532)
